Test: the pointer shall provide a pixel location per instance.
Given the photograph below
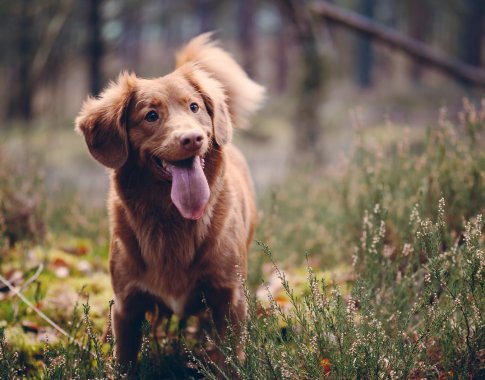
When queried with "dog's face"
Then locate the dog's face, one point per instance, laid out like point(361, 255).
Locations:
point(166, 124)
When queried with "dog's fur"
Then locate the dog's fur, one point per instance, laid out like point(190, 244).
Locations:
point(157, 256)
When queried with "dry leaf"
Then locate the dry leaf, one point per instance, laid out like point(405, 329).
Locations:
point(29, 326)
point(14, 276)
point(326, 365)
point(78, 250)
point(60, 267)
point(58, 262)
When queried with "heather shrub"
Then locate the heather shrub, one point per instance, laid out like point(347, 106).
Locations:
point(321, 212)
point(407, 218)
point(401, 219)
point(416, 315)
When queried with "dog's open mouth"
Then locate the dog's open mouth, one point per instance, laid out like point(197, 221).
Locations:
point(190, 191)
point(165, 167)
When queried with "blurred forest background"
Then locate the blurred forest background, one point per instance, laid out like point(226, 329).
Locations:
point(371, 130)
point(54, 53)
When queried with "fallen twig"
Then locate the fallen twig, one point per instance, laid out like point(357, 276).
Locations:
point(18, 293)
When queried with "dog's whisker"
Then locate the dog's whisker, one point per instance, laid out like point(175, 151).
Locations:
point(155, 151)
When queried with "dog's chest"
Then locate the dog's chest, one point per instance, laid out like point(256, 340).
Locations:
point(177, 305)
point(170, 275)
point(169, 285)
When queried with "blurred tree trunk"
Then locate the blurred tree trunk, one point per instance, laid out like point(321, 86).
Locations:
point(391, 19)
point(281, 59)
point(306, 123)
point(205, 13)
point(131, 37)
point(20, 102)
point(364, 49)
point(33, 62)
point(420, 25)
point(246, 29)
point(95, 46)
point(473, 31)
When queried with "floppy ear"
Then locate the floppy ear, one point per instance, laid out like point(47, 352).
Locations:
point(221, 121)
point(215, 102)
point(103, 121)
point(244, 96)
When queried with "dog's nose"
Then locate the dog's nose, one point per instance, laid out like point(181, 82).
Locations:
point(192, 140)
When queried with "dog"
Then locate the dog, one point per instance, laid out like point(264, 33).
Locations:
point(181, 202)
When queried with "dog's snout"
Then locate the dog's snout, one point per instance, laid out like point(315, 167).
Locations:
point(192, 141)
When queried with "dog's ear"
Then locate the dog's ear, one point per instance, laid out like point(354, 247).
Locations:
point(221, 121)
point(215, 102)
point(103, 120)
point(243, 95)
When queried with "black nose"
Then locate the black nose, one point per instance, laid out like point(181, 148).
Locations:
point(192, 140)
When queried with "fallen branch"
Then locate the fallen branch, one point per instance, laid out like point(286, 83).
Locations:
point(416, 49)
point(17, 292)
point(34, 277)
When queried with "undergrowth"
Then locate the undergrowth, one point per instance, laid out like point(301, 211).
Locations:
point(405, 218)
point(419, 315)
point(321, 211)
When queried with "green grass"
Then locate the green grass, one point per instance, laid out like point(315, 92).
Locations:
point(373, 267)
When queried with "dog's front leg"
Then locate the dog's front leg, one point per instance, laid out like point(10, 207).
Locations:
point(127, 320)
point(229, 312)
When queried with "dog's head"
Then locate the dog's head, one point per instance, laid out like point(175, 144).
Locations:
point(169, 124)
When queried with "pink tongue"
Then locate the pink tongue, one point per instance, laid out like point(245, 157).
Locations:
point(190, 190)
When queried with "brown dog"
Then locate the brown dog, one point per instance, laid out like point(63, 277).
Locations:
point(181, 202)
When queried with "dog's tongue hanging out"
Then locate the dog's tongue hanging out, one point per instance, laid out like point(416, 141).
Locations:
point(190, 190)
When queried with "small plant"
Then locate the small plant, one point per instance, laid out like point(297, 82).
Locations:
point(9, 361)
point(83, 355)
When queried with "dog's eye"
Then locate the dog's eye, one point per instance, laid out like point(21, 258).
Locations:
point(194, 107)
point(151, 116)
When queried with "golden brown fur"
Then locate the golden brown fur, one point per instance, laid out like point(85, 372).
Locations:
point(157, 256)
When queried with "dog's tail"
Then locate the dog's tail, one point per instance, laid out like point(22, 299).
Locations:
point(244, 96)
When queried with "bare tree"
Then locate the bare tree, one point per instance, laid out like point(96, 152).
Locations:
point(35, 28)
point(420, 22)
point(311, 84)
point(95, 45)
point(473, 31)
point(247, 33)
point(130, 43)
point(205, 13)
point(281, 59)
point(427, 54)
point(364, 59)
point(20, 100)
